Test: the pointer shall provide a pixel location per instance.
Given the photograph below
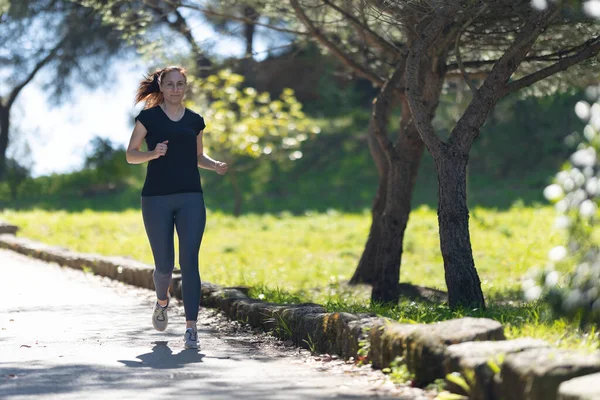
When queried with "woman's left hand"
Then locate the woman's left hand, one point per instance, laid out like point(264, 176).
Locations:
point(220, 167)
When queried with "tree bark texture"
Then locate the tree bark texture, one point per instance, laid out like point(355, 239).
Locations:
point(366, 269)
point(400, 186)
point(464, 286)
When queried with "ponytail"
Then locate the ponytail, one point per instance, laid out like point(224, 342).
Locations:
point(149, 89)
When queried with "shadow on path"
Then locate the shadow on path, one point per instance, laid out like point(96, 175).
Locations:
point(162, 357)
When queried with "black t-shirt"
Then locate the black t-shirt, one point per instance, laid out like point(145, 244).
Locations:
point(177, 170)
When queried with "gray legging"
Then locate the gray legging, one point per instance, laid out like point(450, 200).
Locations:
point(186, 212)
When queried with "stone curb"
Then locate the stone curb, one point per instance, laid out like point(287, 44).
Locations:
point(8, 228)
point(430, 351)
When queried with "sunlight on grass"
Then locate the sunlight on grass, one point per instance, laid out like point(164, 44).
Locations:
point(292, 259)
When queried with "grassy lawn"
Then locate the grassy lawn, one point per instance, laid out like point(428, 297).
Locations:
point(287, 258)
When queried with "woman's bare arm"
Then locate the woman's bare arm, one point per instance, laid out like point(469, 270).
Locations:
point(134, 155)
point(205, 161)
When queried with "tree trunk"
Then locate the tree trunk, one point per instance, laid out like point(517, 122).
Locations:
point(365, 272)
point(249, 29)
point(237, 194)
point(4, 128)
point(464, 286)
point(409, 157)
point(401, 182)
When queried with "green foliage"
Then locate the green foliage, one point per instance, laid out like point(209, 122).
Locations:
point(15, 175)
point(312, 346)
point(460, 381)
point(576, 194)
point(398, 371)
point(245, 123)
point(495, 363)
point(88, 270)
point(450, 396)
point(4, 6)
point(364, 346)
point(129, 18)
point(280, 326)
point(108, 161)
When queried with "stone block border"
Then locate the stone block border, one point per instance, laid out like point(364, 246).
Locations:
point(8, 228)
point(490, 367)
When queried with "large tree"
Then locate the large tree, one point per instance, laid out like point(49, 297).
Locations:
point(410, 48)
point(65, 40)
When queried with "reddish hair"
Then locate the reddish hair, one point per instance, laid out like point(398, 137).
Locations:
point(149, 89)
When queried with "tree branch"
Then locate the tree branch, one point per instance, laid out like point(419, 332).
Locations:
point(17, 89)
point(235, 18)
point(381, 109)
point(556, 56)
point(343, 57)
point(562, 65)
point(457, 52)
point(373, 38)
point(423, 41)
point(468, 126)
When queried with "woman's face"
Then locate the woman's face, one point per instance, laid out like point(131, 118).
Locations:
point(173, 86)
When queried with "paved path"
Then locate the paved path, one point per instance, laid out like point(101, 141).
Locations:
point(67, 334)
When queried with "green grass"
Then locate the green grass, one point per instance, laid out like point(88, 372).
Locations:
point(309, 258)
point(313, 250)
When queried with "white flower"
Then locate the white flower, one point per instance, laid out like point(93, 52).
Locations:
point(562, 206)
point(562, 222)
point(539, 4)
point(594, 122)
point(296, 155)
point(527, 284)
point(582, 109)
point(584, 157)
point(592, 92)
point(568, 184)
point(595, 110)
point(577, 197)
point(533, 293)
point(551, 279)
point(289, 142)
point(592, 294)
point(577, 176)
point(561, 177)
point(592, 8)
point(557, 253)
point(553, 192)
point(592, 186)
point(587, 208)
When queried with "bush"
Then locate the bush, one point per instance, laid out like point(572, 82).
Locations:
point(576, 194)
point(16, 174)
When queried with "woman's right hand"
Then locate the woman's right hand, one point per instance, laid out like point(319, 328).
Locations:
point(160, 149)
